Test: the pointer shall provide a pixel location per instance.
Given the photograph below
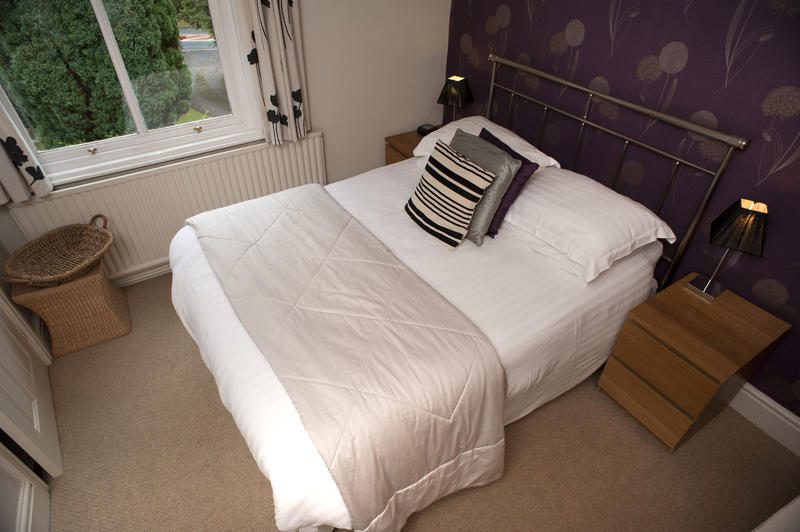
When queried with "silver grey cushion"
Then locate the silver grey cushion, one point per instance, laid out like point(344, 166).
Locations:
point(497, 161)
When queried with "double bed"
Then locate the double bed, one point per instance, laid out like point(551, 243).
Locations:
point(540, 327)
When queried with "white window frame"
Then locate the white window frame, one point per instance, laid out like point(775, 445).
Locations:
point(145, 147)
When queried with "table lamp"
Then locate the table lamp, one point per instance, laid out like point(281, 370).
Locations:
point(742, 227)
point(455, 93)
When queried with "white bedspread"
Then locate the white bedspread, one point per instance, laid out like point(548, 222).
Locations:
point(284, 453)
point(549, 329)
point(400, 393)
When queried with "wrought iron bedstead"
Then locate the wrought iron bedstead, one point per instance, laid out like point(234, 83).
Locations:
point(731, 142)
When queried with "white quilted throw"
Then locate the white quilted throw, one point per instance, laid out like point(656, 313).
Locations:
point(400, 393)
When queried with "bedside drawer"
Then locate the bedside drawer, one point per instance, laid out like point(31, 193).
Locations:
point(394, 156)
point(645, 404)
point(673, 376)
point(401, 146)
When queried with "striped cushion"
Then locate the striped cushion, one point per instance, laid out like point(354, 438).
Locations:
point(445, 199)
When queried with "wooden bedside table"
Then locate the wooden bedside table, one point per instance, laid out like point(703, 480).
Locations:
point(677, 350)
point(401, 146)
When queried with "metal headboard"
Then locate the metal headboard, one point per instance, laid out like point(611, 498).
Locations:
point(732, 142)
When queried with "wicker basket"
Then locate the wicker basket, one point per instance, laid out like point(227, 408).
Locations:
point(58, 256)
point(78, 313)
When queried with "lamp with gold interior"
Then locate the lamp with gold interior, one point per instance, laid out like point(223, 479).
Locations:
point(741, 227)
point(455, 93)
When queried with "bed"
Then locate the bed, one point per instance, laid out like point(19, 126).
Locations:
point(374, 280)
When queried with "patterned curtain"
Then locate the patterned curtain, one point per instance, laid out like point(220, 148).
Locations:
point(20, 173)
point(278, 53)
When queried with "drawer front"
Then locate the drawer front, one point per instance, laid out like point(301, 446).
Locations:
point(393, 156)
point(645, 404)
point(673, 376)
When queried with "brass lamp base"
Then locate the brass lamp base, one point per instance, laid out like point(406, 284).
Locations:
point(702, 286)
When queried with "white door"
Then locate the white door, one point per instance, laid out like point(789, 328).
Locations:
point(24, 497)
point(26, 404)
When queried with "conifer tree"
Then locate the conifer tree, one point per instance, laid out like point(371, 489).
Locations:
point(55, 66)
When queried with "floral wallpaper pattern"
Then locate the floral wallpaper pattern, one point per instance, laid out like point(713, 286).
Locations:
point(732, 65)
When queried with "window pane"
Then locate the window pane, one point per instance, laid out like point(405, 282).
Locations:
point(56, 71)
point(200, 54)
point(174, 66)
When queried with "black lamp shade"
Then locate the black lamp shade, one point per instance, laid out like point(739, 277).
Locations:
point(455, 92)
point(741, 227)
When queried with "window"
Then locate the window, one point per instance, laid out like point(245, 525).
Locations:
point(101, 86)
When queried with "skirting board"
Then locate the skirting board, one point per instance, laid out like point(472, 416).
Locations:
point(784, 520)
point(763, 412)
point(154, 269)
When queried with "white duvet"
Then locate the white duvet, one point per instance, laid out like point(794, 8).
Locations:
point(400, 393)
point(549, 329)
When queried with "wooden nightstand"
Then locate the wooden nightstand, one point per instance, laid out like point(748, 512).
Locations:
point(401, 146)
point(677, 351)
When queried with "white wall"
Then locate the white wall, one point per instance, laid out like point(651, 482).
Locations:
point(374, 69)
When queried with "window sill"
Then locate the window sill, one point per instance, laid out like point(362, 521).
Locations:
point(117, 178)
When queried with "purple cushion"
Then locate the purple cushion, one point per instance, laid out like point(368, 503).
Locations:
point(516, 186)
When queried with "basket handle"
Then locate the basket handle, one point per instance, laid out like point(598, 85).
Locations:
point(14, 280)
point(96, 216)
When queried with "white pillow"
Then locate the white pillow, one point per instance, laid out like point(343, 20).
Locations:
point(590, 224)
point(652, 251)
point(543, 248)
point(473, 125)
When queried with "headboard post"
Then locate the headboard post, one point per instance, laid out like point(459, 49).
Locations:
point(542, 127)
point(510, 111)
point(620, 162)
point(586, 109)
point(687, 237)
point(491, 91)
point(669, 186)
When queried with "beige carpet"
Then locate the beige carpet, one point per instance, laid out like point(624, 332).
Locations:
point(147, 445)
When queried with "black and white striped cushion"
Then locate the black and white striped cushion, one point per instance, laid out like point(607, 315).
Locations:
point(445, 199)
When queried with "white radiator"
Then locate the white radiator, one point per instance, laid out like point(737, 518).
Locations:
point(146, 208)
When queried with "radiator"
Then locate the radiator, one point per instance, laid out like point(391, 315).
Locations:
point(146, 208)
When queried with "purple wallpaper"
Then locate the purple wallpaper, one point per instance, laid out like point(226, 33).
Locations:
point(729, 64)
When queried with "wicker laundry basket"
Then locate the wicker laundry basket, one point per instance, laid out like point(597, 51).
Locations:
point(61, 255)
point(80, 312)
point(60, 277)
